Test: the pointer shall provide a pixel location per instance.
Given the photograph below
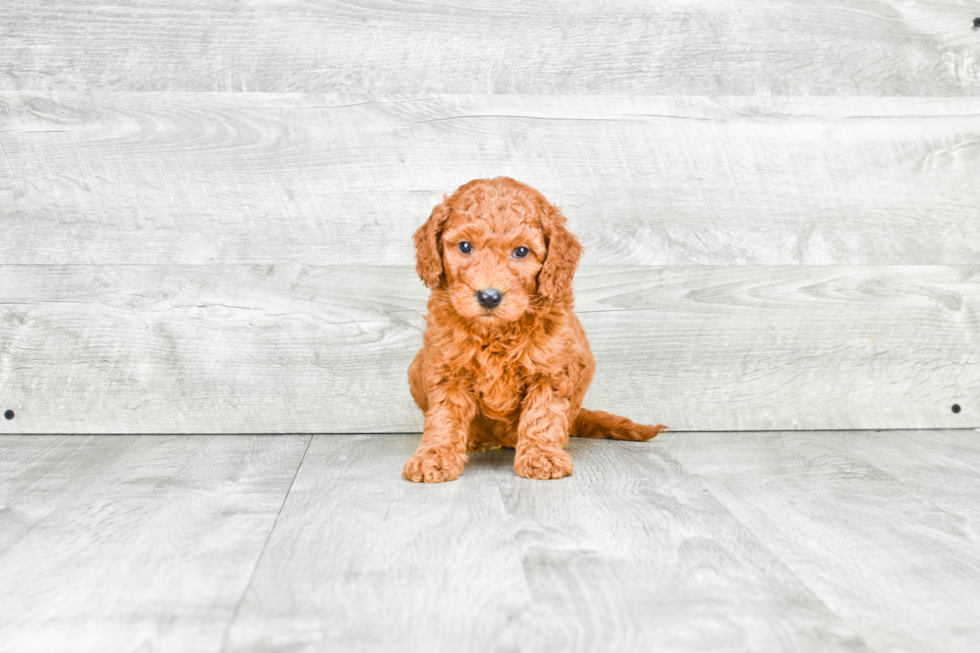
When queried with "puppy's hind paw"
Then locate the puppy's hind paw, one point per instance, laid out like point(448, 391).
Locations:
point(433, 466)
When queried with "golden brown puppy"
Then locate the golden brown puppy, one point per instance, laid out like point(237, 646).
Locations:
point(505, 361)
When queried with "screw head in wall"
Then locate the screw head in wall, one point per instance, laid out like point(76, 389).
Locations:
point(956, 408)
point(9, 414)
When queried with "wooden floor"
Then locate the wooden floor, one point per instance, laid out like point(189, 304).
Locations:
point(776, 541)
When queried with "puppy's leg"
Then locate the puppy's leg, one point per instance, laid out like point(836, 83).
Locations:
point(442, 453)
point(542, 435)
point(416, 381)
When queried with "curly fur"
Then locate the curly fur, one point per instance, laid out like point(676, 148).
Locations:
point(513, 375)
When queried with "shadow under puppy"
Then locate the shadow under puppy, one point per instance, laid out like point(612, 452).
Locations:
point(504, 362)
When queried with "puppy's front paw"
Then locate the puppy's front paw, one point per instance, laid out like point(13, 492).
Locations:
point(543, 464)
point(434, 466)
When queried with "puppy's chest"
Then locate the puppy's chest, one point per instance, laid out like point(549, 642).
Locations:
point(499, 383)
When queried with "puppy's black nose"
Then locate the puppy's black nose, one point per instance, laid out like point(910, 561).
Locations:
point(489, 298)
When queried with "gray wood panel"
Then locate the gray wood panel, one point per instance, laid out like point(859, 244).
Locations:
point(853, 541)
point(856, 541)
point(325, 349)
point(882, 527)
point(629, 554)
point(946, 474)
point(874, 47)
point(271, 179)
point(133, 543)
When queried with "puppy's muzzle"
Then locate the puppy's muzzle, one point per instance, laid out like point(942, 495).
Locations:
point(489, 298)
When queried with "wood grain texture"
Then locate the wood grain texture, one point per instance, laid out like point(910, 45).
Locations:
point(817, 541)
point(272, 179)
point(133, 543)
point(675, 47)
point(882, 527)
point(629, 554)
point(255, 349)
point(942, 469)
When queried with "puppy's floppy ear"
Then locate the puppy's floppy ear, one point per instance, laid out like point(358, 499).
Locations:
point(428, 246)
point(564, 251)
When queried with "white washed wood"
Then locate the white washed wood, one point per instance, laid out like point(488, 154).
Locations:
point(876, 47)
point(198, 349)
point(363, 560)
point(231, 349)
point(882, 546)
point(629, 554)
point(816, 541)
point(272, 179)
point(943, 468)
point(119, 543)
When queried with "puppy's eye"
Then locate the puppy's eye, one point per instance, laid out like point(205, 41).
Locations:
point(521, 252)
point(465, 247)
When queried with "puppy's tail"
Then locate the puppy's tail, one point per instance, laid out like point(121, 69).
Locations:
point(598, 424)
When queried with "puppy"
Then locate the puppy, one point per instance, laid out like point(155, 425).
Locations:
point(505, 361)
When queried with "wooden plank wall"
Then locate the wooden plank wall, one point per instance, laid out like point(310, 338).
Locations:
point(207, 208)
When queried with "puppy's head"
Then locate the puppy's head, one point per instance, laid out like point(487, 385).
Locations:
point(497, 247)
